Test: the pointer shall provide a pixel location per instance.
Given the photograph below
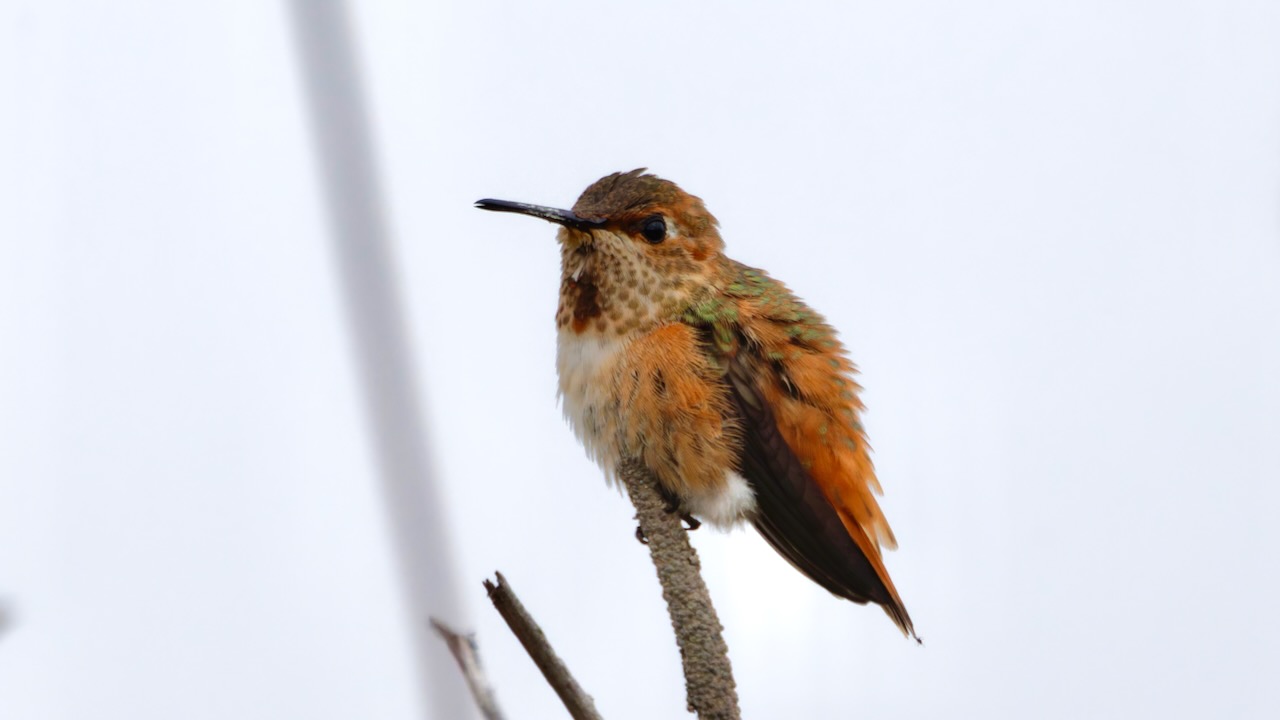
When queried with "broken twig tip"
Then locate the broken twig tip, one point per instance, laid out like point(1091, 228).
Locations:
point(466, 654)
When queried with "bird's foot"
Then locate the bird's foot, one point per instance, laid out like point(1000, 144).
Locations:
point(673, 506)
point(691, 523)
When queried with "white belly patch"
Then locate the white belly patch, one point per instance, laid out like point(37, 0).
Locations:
point(586, 367)
point(726, 506)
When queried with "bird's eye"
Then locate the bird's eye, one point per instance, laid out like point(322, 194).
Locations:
point(654, 229)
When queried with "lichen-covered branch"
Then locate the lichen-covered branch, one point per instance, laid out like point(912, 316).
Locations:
point(579, 703)
point(709, 685)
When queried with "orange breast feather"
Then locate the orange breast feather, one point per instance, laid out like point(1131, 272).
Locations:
point(676, 411)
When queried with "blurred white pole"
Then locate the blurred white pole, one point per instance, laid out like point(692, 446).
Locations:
point(367, 266)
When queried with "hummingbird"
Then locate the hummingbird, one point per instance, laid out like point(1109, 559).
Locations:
point(730, 390)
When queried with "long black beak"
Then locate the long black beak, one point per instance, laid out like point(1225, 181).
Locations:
point(559, 217)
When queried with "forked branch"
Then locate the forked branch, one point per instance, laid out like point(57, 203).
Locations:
point(710, 690)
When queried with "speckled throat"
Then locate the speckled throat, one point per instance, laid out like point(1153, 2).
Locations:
point(609, 287)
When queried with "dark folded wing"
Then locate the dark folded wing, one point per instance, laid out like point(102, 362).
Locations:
point(792, 513)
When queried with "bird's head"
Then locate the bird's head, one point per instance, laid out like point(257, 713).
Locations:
point(635, 250)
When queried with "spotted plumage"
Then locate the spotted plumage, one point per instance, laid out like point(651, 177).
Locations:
point(733, 392)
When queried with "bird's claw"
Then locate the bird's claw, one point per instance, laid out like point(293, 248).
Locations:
point(691, 523)
point(673, 506)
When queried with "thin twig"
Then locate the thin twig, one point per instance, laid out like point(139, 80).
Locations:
point(364, 262)
point(709, 686)
point(579, 704)
point(467, 654)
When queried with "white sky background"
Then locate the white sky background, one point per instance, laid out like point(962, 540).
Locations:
point(1050, 236)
